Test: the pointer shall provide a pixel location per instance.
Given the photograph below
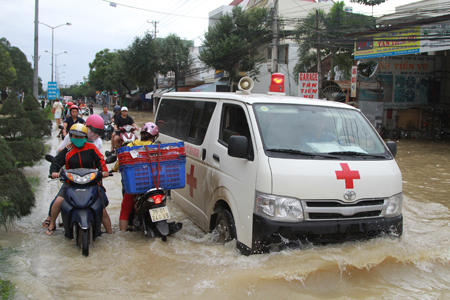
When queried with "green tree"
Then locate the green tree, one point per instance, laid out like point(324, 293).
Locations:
point(142, 60)
point(41, 125)
point(369, 2)
point(19, 133)
point(16, 195)
point(175, 56)
point(233, 43)
point(24, 70)
point(327, 32)
point(100, 70)
point(7, 71)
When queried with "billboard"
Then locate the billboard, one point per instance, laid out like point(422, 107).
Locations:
point(408, 40)
point(388, 43)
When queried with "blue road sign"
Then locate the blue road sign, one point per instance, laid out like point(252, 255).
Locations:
point(52, 90)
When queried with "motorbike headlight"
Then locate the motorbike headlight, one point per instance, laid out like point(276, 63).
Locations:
point(81, 179)
point(278, 208)
point(395, 204)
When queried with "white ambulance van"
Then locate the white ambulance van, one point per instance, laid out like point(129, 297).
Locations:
point(273, 170)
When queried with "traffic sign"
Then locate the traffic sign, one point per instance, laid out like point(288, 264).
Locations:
point(52, 90)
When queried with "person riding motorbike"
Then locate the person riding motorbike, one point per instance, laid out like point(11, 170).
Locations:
point(116, 111)
point(74, 118)
point(106, 115)
point(121, 120)
point(149, 134)
point(67, 109)
point(82, 154)
point(95, 124)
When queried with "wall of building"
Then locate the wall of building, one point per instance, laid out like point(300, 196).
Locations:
point(291, 87)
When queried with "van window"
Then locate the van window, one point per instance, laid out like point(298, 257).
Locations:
point(184, 119)
point(234, 122)
point(308, 131)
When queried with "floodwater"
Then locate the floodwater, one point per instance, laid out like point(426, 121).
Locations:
point(192, 266)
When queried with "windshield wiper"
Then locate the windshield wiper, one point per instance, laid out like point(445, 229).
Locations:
point(298, 152)
point(354, 153)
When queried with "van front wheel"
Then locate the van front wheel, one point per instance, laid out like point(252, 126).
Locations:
point(225, 227)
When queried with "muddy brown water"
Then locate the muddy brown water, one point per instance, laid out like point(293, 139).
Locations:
point(192, 266)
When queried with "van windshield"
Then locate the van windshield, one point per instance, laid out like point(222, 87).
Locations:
point(317, 131)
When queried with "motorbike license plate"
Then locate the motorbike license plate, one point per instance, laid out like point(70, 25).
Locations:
point(159, 214)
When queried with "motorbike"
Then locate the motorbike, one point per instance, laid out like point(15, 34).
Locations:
point(127, 134)
point(60, 131)
point(82, 208)
point(84, 111)
point(150, 212)
point(150, 215)
point(107, 131)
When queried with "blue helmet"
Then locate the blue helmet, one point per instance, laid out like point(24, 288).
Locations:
point(116, 108)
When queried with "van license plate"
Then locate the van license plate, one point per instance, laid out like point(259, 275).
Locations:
point(159, 214)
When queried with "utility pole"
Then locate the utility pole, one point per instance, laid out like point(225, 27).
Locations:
point(36, 50)
point(275, 38)
point(155, 23)
point(319, 61)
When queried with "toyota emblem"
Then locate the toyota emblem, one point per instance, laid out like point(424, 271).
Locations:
point(350, 195)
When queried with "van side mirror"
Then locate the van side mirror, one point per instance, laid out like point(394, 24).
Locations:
point(238, 146)
point(392, 146)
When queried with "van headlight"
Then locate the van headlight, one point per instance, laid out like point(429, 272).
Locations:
point(394, 205)
point(278, 208)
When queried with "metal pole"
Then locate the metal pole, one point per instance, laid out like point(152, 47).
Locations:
point(319, 60)
point(53, 30)
point(36, 50)
point(275, 39)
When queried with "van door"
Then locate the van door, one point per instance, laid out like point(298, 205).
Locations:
point(189, 121)
point(233, 179)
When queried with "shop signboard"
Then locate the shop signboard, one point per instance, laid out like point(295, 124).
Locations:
point(308, 85)
point(388, 43)
point(404, 80)
point(353, 85)
point(408, 40)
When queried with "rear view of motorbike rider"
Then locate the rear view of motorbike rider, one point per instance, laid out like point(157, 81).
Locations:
point(72, 119)
point(149, 134)
point(116, 111)
point(122, 120)
point(81, 155)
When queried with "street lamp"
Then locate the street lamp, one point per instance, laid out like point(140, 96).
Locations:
point(56, 60)
point(53, 40)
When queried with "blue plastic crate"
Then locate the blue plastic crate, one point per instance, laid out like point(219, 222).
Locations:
point(137, 178)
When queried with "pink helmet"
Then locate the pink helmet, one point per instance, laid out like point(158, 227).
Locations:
point(95, 123)
point(150, 128)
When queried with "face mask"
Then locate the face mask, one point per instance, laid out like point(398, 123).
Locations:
point(78, 142)
point(92, 136)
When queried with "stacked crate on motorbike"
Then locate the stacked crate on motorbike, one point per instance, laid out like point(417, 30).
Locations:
point(137, 173)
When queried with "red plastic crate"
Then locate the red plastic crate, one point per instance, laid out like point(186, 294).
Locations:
point(169, 151)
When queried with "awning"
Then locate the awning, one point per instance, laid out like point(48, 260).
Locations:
point(200, 88)
point(210, 87)
point(160, 92)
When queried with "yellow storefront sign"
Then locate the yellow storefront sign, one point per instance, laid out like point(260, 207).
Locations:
point(388, 43)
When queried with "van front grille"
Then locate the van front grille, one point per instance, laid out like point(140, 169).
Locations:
point(316, 210)
point(340, 204)
point(327, 216)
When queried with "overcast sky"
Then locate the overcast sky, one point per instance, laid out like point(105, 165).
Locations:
point(96, 25)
